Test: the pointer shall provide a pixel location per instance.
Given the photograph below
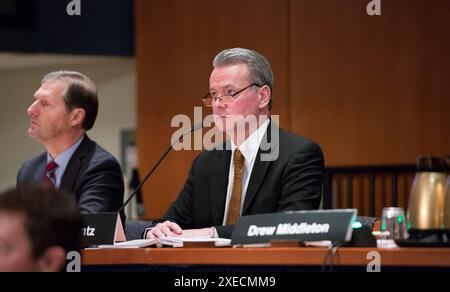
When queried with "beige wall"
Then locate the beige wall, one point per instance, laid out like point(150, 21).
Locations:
point(115, 79)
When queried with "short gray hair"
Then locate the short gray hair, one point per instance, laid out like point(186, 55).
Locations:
point(259, 67)
point(80, 93)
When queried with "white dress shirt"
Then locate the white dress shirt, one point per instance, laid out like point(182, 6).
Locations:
point(249, 149)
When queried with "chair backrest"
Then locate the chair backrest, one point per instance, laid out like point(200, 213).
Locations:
point(332, 192)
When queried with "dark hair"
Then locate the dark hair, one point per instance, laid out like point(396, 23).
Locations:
point(51, 217)
point(80, 93)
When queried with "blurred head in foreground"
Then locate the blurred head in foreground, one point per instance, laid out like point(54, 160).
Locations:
point(38, 227)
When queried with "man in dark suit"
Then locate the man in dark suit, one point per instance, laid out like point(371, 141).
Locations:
point(263, 168)
point(65, 107)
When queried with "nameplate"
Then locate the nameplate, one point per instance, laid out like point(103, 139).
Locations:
point(332, 225)
point(102, 228)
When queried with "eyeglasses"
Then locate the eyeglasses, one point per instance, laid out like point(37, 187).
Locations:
point(231, 95)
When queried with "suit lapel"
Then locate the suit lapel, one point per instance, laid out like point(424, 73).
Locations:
point(260, 168)
point(258, 174)
point(42, 164)
point(73, 168)
point(220, 166)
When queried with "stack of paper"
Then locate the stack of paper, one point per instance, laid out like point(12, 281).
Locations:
point(194, 241)
point(172, 241)
point(139, 243)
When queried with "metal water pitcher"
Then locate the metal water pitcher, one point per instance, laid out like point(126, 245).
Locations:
point(427, 197)
point(447, 199)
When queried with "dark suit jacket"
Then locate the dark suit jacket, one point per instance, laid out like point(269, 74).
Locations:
point(291, 182)
point(93, 175)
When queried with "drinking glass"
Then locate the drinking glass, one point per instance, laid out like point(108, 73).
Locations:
point(393, 224)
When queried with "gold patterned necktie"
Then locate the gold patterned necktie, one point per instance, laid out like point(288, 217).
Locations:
point(234, 208)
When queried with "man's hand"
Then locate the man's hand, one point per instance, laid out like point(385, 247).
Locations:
point(164, 229)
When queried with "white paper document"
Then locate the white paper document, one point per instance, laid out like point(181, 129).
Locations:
point(139, 243)
point(171, 241)
point(188, 241)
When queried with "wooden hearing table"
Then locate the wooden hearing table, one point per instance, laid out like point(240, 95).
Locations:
point(437, 258)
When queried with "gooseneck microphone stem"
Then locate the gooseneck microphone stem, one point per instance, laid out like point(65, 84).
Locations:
point(193, 129)
point(146, 178)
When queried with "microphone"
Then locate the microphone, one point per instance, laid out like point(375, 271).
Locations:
point(195, 128)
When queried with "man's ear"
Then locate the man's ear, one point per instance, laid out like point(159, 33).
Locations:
point(53, 260)
point(264, 98)
point(78, 116)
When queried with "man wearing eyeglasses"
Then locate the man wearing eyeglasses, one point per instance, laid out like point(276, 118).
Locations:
point(225, 184)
